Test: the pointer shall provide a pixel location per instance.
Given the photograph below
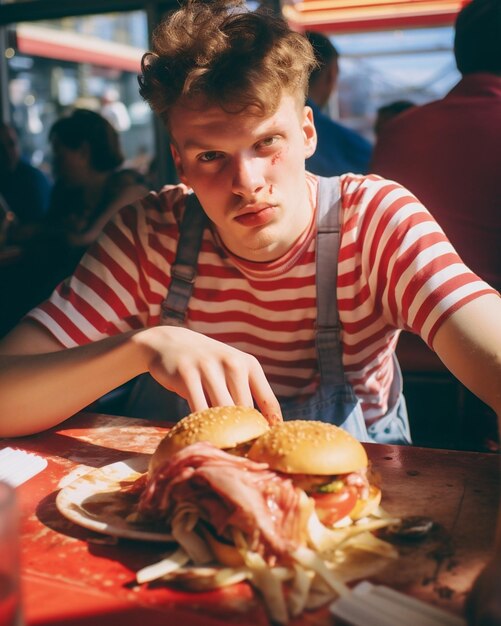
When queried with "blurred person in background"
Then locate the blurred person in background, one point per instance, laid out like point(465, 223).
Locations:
point(90, 183)
point(90, 186)
point(448, 153)
point(339, 149)
point(24, 199)
point(114, 110)
point(24, 189)
point(388, 111)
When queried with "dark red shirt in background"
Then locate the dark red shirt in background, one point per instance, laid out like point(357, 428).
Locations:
point(448, 153)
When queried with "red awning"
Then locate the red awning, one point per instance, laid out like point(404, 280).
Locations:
point(69, 46)
point(339, 16)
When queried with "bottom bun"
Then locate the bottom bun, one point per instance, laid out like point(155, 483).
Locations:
point(363, 508)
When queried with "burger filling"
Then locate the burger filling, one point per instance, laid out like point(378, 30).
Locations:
point(228, 492)
point(240, 449)
point(335, 497)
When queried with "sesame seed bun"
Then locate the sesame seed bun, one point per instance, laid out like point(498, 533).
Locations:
point(309, 447)
point(225, 427)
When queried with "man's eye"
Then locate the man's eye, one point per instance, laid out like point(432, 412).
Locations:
point(207, 157)
point(269, 141)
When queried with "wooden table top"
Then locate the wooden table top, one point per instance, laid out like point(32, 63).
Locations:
point(74, 576)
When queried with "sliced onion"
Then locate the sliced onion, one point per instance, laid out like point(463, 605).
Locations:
point(167, 565)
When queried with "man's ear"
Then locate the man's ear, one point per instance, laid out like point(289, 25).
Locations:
point(179, 165)
point(309, 132)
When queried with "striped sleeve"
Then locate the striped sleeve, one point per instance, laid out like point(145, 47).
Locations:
point(122, 279)
point(396, 264)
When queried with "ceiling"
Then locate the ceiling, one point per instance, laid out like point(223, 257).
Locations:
point(339, 16)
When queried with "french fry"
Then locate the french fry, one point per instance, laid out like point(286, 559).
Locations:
point(309, 559)
point(322, 538)
point(167, 565)
point(270, 587)
point(204, 578)
point(320, 593)
point(369, 542)
point(300, 589)
point(182, 531)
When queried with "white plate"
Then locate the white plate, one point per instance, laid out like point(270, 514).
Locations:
point(96, 501)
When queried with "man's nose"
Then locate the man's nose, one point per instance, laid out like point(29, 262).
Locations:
point(248, 175)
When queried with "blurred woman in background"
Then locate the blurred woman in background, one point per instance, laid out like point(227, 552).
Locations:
point(90, 186)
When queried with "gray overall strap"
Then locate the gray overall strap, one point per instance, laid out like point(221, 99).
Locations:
point(328, 340)
point(328, 330)
point(184, 269)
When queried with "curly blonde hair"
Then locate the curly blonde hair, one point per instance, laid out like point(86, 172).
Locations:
point(219, 53)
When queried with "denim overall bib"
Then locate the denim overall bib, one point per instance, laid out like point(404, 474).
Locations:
point(334, 400)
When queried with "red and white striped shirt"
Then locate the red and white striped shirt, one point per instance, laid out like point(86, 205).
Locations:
point(397, 270)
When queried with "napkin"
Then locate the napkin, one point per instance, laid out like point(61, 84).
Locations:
point(379, 605)
point(17, 466)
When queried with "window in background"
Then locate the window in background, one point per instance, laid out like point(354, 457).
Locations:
point(377, 68)
point(87, 62)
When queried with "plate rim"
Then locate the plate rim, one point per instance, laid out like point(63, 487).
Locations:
point(76, 513)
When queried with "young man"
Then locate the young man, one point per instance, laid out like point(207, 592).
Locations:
point(264, 317)
point(275, 284)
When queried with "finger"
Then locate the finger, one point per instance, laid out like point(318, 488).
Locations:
point(263, 394)
point(195, 395)
point(215, 385)
point(237, 379)
point(185, 383)
point(272, 414)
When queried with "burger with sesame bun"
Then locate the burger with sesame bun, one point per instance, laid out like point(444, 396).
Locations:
point(229, 428)
point(266, 512)
point(326, 462)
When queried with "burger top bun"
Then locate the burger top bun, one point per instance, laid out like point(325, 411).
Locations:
point(223, 426)
point(309, 447)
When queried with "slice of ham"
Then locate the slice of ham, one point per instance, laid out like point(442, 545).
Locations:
point(230, 491)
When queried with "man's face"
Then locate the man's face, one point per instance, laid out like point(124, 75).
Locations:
point(248, 173)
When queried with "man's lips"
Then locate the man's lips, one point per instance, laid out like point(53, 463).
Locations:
point(258, 215)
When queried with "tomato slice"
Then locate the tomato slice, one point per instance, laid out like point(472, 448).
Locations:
point(331, 507)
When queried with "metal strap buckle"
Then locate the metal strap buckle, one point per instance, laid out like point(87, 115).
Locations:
point(183, 271)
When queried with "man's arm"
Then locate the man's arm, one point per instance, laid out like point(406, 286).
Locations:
point(41, 383)
point(469, 343)
point(128, 196)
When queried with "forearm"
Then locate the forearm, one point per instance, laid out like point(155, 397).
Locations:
point(469, 344)
point(41, 383)
point(40, 390)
